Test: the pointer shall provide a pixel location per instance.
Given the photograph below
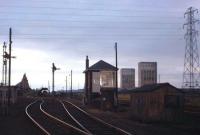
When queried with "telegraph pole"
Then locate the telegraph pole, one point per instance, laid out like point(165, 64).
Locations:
point(71, 85)
point(48, 86)
point(66, 83)
point(53, 70)
point(116, 62)
point(9, 59)
point(9, 68)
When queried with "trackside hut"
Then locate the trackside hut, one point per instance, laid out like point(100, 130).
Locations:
point(157, 102)
point(191, 100)
point(100, 80)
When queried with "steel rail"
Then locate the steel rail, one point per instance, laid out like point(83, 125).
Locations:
point(99, 120)
point(34, 121)
point(62, 122)
point(75, 119)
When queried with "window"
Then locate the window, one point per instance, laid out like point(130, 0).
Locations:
point(107, 79)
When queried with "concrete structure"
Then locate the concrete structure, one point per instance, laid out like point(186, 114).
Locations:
point(147, 73)
point(100, 80)
point(157, 102)
point(127, 78)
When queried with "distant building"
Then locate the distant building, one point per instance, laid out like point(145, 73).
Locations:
point(127, 78)
point(147, 73)
point(23, 86)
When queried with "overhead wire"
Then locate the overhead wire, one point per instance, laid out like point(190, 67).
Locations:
point(75, 14)
point(88, 21)
point(90, 9)
point(18, 19)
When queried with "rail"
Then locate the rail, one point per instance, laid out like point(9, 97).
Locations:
point(35, 122)
point(101, 121)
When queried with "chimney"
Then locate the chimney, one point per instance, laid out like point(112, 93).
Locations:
point(87, 62)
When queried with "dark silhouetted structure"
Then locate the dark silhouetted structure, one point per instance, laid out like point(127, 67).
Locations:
point(23, 86)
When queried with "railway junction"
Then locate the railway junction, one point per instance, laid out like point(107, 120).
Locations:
point(58, 116)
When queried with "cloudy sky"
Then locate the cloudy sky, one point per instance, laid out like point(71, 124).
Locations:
point(65, 31)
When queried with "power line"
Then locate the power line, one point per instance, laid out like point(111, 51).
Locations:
point(92, 35)
point(95, 27)
point(86, 2)
point(92, 21)
point(131, 37)
point(73, 14)
point(99, 39)
point(90, 9)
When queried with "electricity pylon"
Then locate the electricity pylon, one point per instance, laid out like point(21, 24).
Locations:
point(191, 74)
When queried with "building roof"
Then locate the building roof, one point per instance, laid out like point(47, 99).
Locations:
point(149, 88)
point(24, 83)
point(101, 65)
point(144, 62)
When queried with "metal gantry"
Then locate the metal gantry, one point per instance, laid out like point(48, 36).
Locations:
point(191, 74)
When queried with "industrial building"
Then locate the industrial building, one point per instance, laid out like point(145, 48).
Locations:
point(100, 84)
point(127, 78)
point(147, 73)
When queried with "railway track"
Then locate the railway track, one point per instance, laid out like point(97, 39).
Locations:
point(93, 124)
point(49, 124)
point(58, 110)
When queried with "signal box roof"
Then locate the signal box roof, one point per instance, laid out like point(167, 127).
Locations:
point(101, 66)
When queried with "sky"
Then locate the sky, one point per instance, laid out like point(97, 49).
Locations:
point(65, 31)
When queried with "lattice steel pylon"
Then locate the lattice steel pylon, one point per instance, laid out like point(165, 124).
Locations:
point(191, 74)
